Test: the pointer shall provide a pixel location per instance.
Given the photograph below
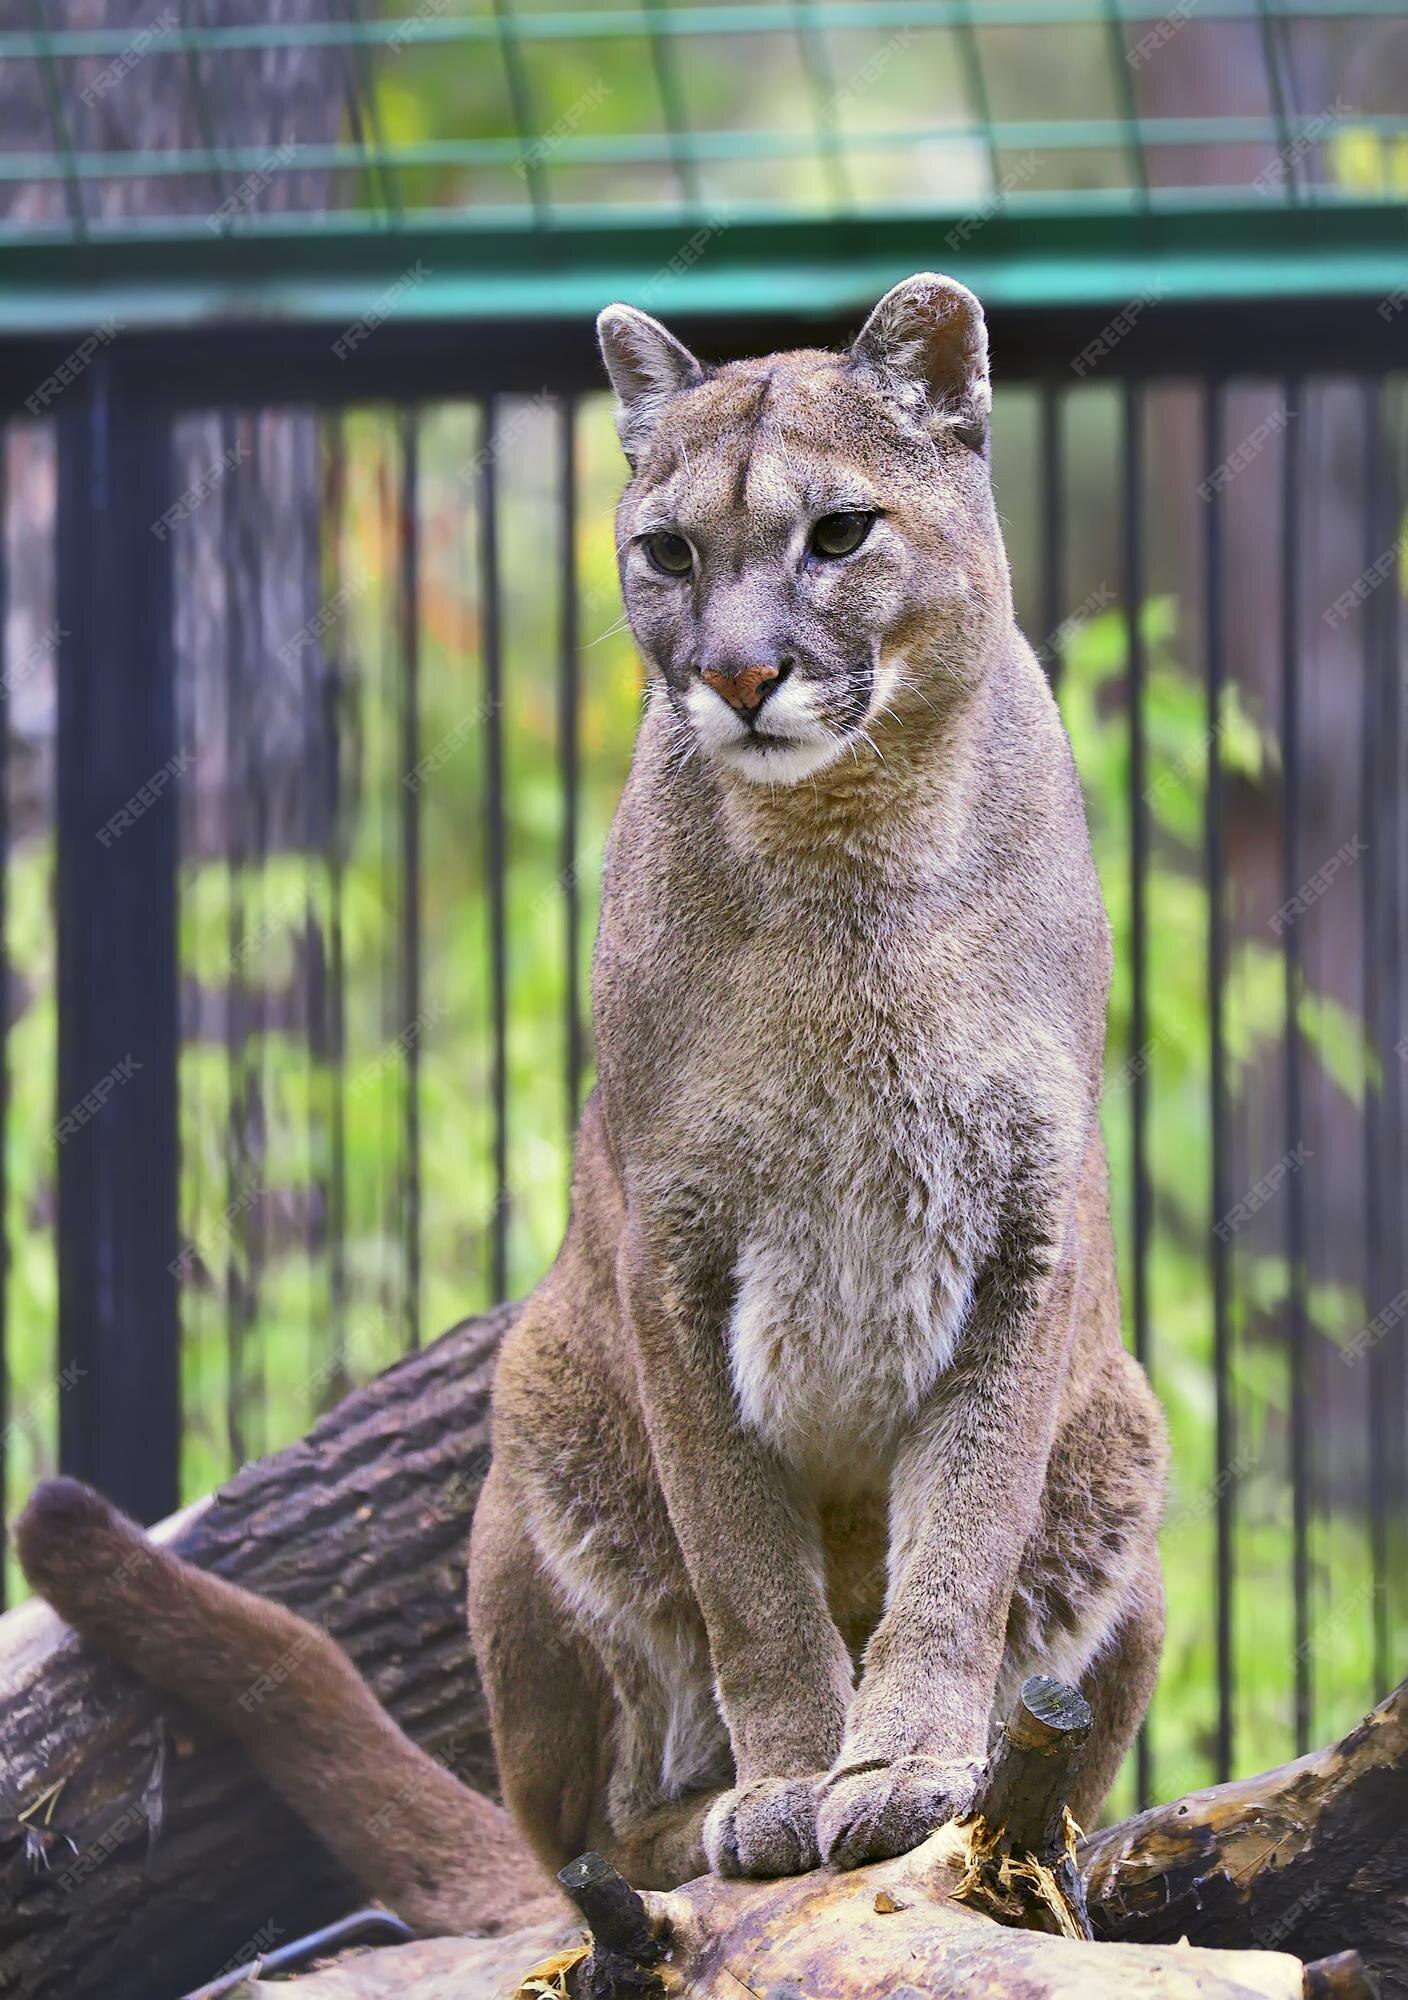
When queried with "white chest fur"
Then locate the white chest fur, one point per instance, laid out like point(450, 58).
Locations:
point(847, 1310)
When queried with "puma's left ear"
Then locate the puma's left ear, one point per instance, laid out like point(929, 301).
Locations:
point(928, 343)
point(647, 366)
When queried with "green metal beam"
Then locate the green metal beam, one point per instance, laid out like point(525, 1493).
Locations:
point(764, 17)
point(1048, 135)
point(332, 276)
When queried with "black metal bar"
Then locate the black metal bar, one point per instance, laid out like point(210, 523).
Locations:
point(238, 1308)
point(338, 684)
point(1375, 931)
point(1139, 1053)
point(362, 1927)
point(4, 996)
point(495, 844)
point(270, 364)
point(116, 1136)
point(1297, 1318)
point(569, 749)
point(409, 523)
point(1053, 574)
point(1213, 587)
point(1393, 1364)
point(253, 1211)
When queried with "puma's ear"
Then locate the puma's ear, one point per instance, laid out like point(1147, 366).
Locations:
point(647, 366)
point(928, 343)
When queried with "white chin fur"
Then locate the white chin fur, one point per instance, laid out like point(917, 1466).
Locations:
point(807, 746)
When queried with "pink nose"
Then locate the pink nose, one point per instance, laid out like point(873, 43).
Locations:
point(743, 690)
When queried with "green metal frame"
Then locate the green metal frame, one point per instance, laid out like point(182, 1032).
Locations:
point(1292, 235)
point(336, 272)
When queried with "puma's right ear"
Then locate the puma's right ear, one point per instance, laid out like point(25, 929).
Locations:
point(927, 342)
point(647, 366)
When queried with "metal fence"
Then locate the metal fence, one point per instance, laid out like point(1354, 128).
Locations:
point(317, 702)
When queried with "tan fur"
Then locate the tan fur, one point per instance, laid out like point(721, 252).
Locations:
point(820, 1433)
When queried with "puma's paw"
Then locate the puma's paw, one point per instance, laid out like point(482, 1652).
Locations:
point(766, 1828)
point(871, 1815)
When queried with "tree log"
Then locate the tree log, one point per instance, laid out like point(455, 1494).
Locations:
point(162, 1856)
point(139, 1856)
point(887, 1932)
point(1311, 1858)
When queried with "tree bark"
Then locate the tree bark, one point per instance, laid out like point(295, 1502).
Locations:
point(1311, 1858)
point(165, 1855)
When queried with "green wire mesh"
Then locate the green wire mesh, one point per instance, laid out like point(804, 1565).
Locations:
point(510, 116)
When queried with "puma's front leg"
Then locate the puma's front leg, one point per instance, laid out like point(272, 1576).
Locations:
point(753, 1553)
point(964, 1499)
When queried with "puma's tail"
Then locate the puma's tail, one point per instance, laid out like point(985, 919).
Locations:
point(443, 1857)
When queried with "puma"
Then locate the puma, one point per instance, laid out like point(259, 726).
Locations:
point(820, 1433)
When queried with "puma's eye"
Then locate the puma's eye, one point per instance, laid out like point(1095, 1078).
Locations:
point(837, 534)
point(670, 554)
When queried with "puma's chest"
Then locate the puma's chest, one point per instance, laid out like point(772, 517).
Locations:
point(851, 1288)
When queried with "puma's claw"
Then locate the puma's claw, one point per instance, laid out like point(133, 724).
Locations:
point(871, 1815)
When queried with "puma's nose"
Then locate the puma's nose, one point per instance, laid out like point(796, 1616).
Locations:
point(745, 688)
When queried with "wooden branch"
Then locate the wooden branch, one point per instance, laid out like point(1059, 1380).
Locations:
point(166, 1857)
point(626, 1946)
point(1021, 1833)
point(1310, 1858)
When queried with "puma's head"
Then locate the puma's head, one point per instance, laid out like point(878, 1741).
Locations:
point(809, 547)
